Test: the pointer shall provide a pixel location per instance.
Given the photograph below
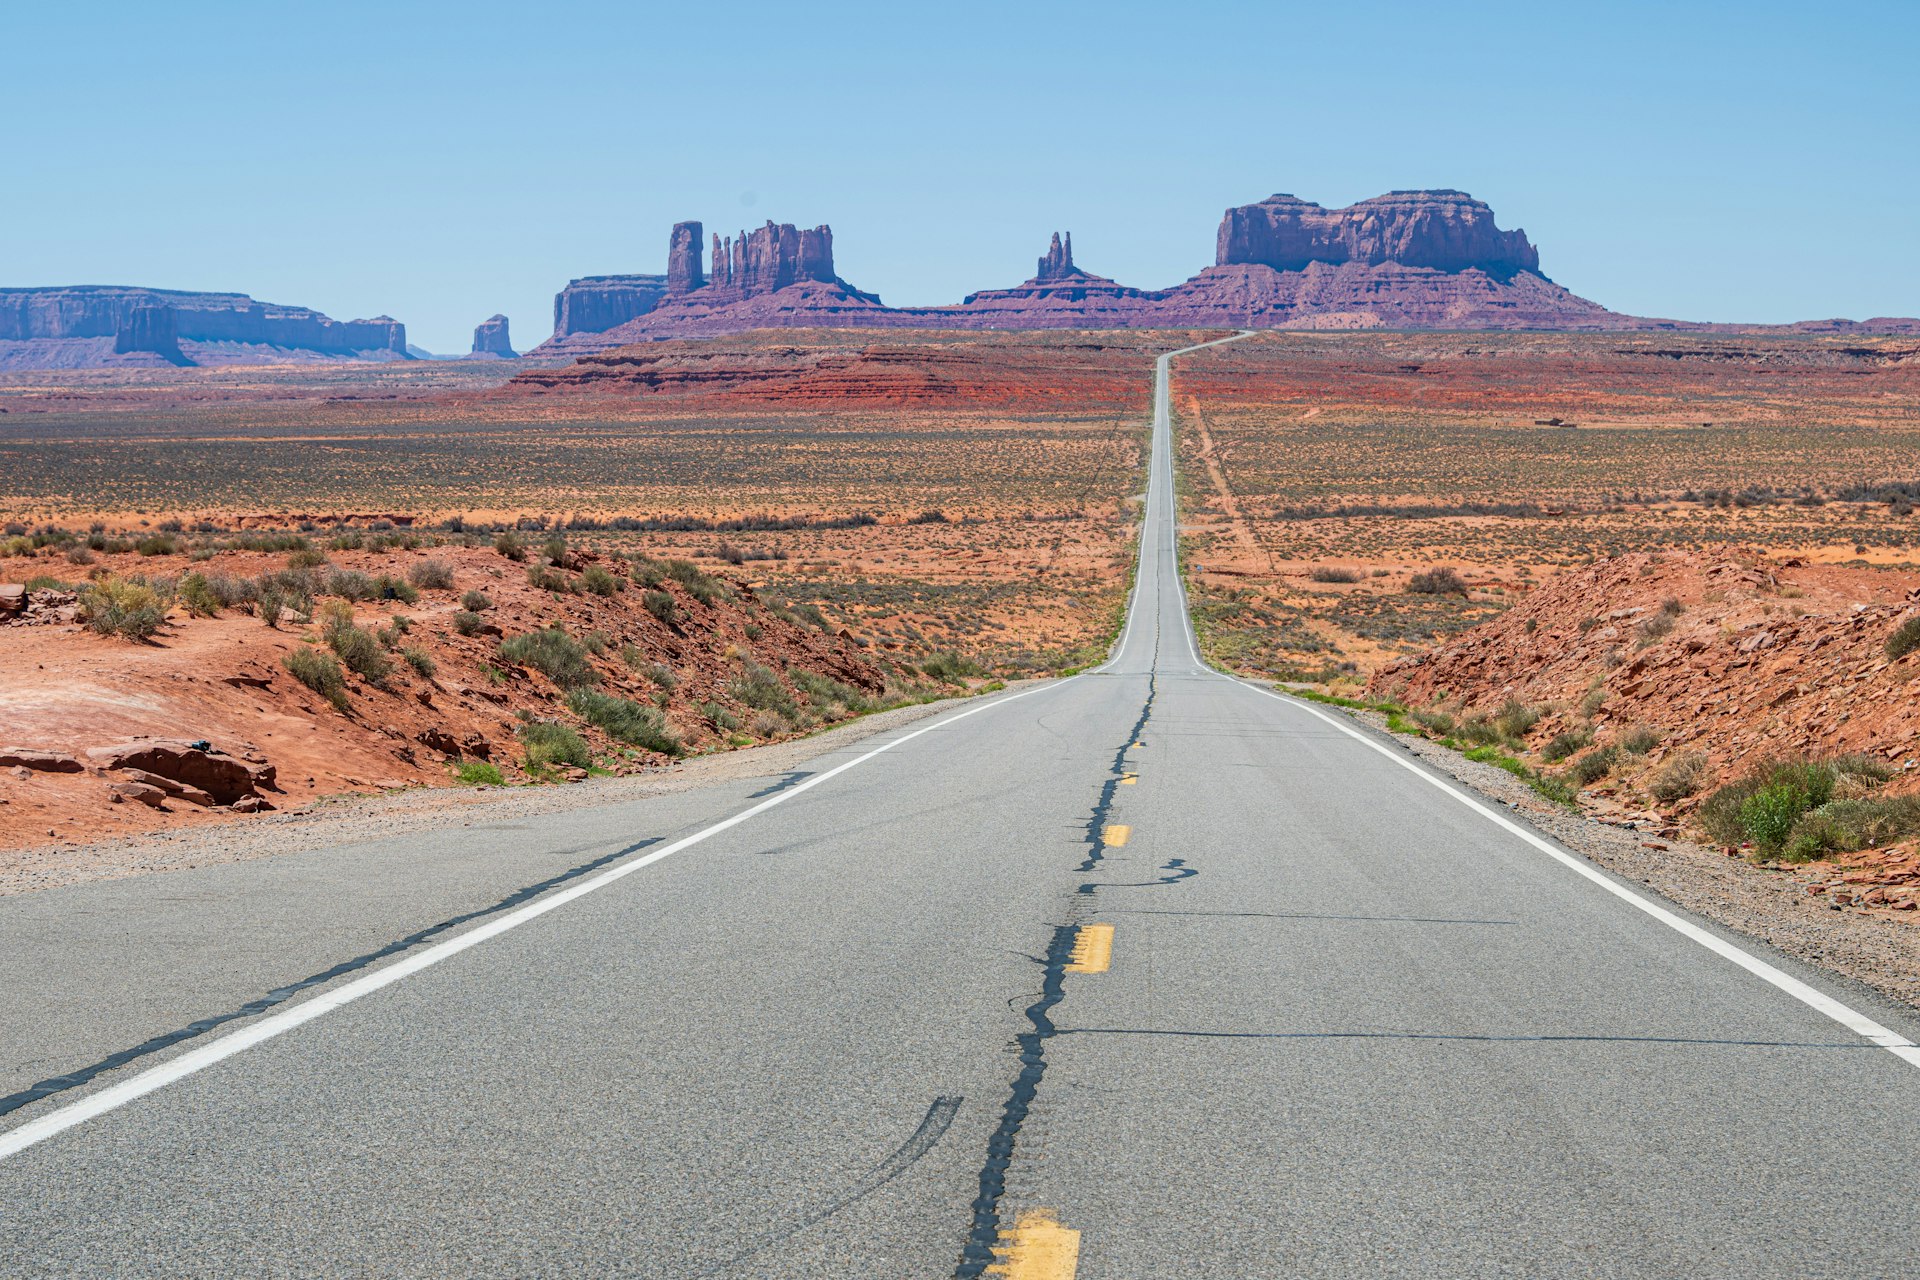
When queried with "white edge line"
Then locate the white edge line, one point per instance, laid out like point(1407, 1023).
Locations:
point(118, 1095)
point(1852, 1019)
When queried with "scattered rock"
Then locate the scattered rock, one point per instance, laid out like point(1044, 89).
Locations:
point(223, 777)
point(178, 790)
point(43, 761)
point(152, 797)
point(13, 597)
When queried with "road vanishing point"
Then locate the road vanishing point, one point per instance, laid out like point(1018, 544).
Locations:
point(1146, 973)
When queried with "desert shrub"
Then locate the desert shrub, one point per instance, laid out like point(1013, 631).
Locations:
point(1679, 777)
point(553, 653)
point(419, 659)
point(348, 584)
point(1661, 623)
point(769, 724)
point(509, 545)
point(759, 687)
point(950, 668)
point(1594, 765)
point(468, 623)
point(719, 717)
point(554, 550)
point(388, 587)
point(1905, 638)
point(1433, 721)
point(306, 558)
point(79, 555)
point(321, 673)
point(1437, 582)
point(658, 672)
point(432, 575)
point(662, 605)
point(358, 648)
point(1639, 740)
point(478, 773)
point(547, 743)
point(647, 572)
point(1843, 826)
point(600, 582)
point(1565, 743)
point(824, 691)
point(116, 606)
point(1478, 730)
point(157, 544)
point(1763, 805)
point(474, 601)
point(198, 595)
point(1333, 573)
point(546, 578)
point(1515, 719)
point(1869, 771)
point(628, 721)
point(702, 586)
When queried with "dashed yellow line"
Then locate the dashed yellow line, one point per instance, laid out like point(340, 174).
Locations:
point(1116, 835)
point(1036, 1247)
point(1092, 949)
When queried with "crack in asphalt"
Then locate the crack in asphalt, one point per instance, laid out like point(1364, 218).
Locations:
point(977, 1253)
point(280, 995)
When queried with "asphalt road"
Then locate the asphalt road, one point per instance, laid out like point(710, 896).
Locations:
point(1145, 973)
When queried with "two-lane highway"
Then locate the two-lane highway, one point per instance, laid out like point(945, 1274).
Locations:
point(1145, 973)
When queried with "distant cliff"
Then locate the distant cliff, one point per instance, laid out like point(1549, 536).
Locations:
point(81, 325)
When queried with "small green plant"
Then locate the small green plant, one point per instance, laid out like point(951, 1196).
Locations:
point(951, 668)
point(431, 575)
point(509, 545)
point(547, 744)
point(601, 583)
point(388, 587)
point(475, 601)
point(1441, 581)
point(553, 653)
point(1905, 638)
point(1333, 573)
point(321, 673)
point(198, 595)
point(1594, 765)
point(1565, 743)
point(116, 606)
point(545, 578)
point(1639, 740)
point(757, 686)
point(1763, 805)
point(719, 717)
point(628, 721)
point(357, 647)
point(468, 623)
point(1681, 776)
point(306, 558)
point(157, 544)
point(420, 660)
point(662, 605)
point(478, 773)
point(1515, 719)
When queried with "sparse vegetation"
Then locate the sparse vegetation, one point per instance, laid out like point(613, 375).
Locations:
point(1905, 638)
point(548, 744)
point(116, 606)
point(431, 575)
point(554, 654)
point(478, 773)
point(321, 673)
point(1438, 582)
point(628, 721)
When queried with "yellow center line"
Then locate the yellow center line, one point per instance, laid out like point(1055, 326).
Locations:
point(1092, 949)
point(1036, 1247)
point(1130, 780)
point(1116, 834)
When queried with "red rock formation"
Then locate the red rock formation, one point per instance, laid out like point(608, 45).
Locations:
point(684, 273)
point(490, 338)
point(594, 304)
point(1441, 230)
point(66, 327)
point(1057, 262)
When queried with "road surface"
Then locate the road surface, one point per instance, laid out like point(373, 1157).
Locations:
point(1144, 973)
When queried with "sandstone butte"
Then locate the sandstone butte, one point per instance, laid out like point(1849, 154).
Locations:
point(490, 339)
point(83, 326)
point(1405, 260)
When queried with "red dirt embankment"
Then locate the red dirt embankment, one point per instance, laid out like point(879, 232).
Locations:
point(1759, 657)
point(687, 653)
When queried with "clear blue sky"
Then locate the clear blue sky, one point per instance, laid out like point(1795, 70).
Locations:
point(1748, 161)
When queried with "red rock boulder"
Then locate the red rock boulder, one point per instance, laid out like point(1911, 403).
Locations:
point(224, 777)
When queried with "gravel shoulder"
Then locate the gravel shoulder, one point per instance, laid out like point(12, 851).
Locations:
point(348, 819)
point(1874, 949)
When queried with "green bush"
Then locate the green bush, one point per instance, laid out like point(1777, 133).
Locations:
point(1843, 826)
point(468, 623)
point(1639, 740)
point(702, 586)
point(157, 544)
point(1594, 765)
point(321, 673)
point(628, 721)
point(1905, 638)
point(545, 578)
point(420, 660)
point(826, 693)
point(553, 653)
point(388, 587)
point(1515, 719)
point(474, 601)
point(306, 558)
point(509, 545)
point(951, 668)
point(358, 648)
point(349, 584)
point(758, 687)
point(1769, 814)
point(1437, 582)
point(1764, 805)
point(198, 595)
point(600, 582)
point(116, 606)
point(719, 717)
point(1565, 744)
point(477, 773)
point(432, 575)
point(547, 744)
point(662, 605)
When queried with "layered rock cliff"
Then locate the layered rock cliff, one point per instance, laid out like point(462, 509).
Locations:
point(1437, 230)
point(490, 338)
point(81, 325)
